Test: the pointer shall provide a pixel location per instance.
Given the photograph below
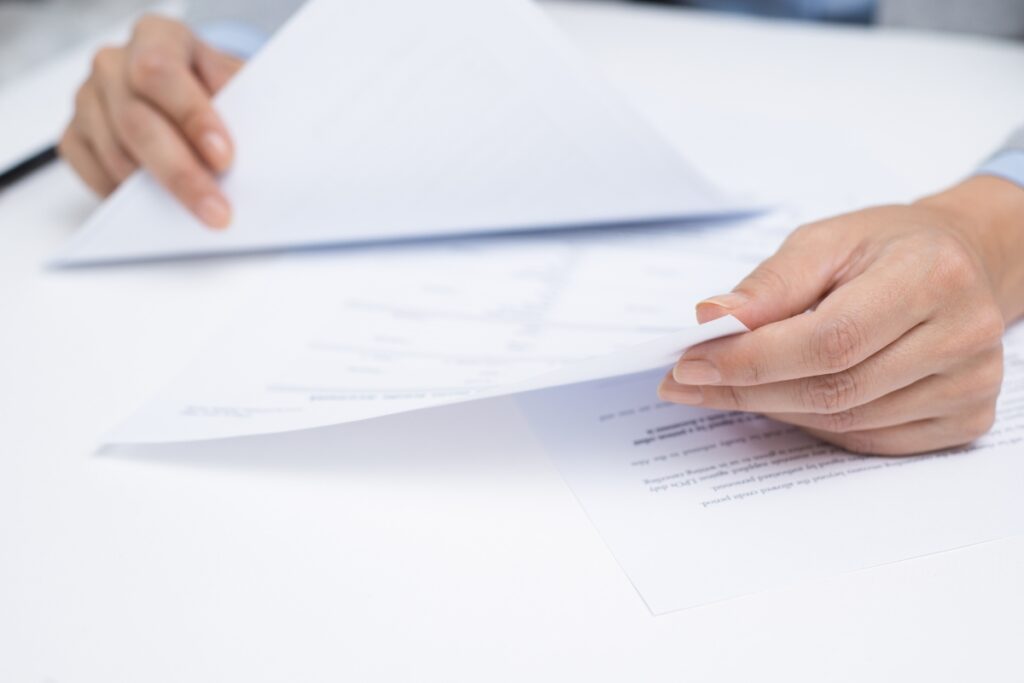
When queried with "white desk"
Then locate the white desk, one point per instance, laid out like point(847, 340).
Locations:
point(425, 550)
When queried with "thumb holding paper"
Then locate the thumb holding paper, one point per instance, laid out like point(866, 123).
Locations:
point(788, 283)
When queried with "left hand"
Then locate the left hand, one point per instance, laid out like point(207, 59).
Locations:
point(149, 104)
point(879, 331)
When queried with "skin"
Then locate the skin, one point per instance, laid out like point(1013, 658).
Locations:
point(149, 104)
point(879, 331)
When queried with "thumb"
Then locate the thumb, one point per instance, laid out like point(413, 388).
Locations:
point(215, 68)
point(788, 283)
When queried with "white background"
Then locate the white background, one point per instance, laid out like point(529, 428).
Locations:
point(442, 545)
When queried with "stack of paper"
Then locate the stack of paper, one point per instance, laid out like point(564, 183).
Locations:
point(369, 121)
point(700, 505)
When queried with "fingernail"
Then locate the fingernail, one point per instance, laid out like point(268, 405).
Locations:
point(216, 146)
point(680, 393)
point(718, 306)
point(214, 211)
point(696, 372)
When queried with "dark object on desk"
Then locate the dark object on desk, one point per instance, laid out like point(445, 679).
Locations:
point(34, 163)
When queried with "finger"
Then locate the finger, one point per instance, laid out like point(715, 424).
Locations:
point(215, 68)
point(915, 437)
point(160, 70)
point(953, 393)
point(161, 150)
point(74, 150)
point(789, 282)
point(853, 323)
point(925, 350)
point(95, 127)
point(940, 395)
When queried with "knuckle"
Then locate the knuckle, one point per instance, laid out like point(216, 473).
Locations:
point(801, 233)
point(861, 442)
point(179, 181)
point(879, 444)
point(104, 59)
point(117, 165)
point(858, 444)
point(148, 69)
point(755, 372)
point(196, 120)
point(764, 278)
point(818, 233)
point(992, 375)
point(955, 266)
point(735, 398)
point(976, 382)
point(147, 23)
point(830, 394)
point(748, 366)
point(183, 182)
point(979, 331)
point(808, 233)
point(980, 422)
point(836, 344)
point(990, 326)
point(842, 421)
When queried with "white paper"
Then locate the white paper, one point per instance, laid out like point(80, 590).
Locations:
point(343, 336)
point(661, 352)
point(698, 505)
point(365, 120)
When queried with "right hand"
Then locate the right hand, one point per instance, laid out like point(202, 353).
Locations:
point(148, 104)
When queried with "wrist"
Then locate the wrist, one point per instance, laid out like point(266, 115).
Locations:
point(989, 213)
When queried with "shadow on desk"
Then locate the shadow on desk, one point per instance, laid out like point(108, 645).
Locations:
point(478, 439)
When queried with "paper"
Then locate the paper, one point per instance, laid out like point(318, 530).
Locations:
point(365, 121)
point(661, 352)
point(698, 505)
point(342, 336)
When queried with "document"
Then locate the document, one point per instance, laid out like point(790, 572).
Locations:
point(341, 336)
point(364, 121)
point(699, 505)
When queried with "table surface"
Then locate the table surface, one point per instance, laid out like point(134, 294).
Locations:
point(442, 545)
point(32, 31)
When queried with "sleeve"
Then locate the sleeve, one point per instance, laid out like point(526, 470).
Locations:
point(261, 15)
point(1007, 163)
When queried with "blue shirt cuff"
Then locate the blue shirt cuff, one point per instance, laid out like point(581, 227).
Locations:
point(1008, 165)
point(233, 37)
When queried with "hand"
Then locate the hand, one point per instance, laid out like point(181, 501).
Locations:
point(149, 104)
point(879, 331)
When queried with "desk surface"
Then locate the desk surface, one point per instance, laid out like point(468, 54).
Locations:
point(429, 549)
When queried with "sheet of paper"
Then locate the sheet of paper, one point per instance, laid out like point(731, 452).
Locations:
point(698, 505)
point(341, 336)
point(365, 120)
